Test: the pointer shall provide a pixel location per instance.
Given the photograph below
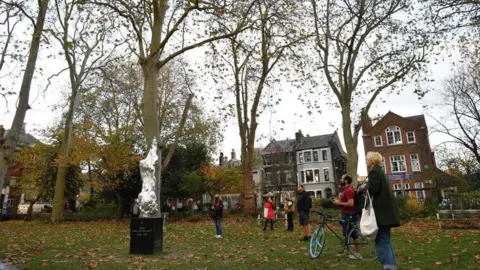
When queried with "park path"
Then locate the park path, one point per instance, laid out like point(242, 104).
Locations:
point(7, 267)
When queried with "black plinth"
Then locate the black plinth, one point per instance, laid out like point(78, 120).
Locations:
point(146, 235)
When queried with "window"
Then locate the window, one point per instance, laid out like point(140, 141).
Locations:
point(317, 175)
point(315, 155)
point(415, 162)
point(324, 155)
point(308, 156)
point(383, 165)
point(378, 141)
point(397, 187)
point(319, 194)
point(328, 192)
point(393, 135)
point(397, 163)
point(309, 176)
point(326, 174)
point(302, 177)
point(411, 137)
point(420, 193)
point(13, 181)
point(300, 157)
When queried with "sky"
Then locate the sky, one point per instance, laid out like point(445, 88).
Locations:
point(290, 110)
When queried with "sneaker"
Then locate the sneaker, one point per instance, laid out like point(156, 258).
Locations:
point(219, 236)
point(305, 238)
point(340, 254)
point(351, 257)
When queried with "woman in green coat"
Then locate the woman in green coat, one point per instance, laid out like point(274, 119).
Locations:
point(386, 211)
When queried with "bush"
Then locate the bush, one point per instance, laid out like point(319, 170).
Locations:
point(471, 200)
point(322, 203)
point(414, 207)
point(104, 212)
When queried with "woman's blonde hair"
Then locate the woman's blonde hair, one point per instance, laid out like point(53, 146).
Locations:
point(375, 157)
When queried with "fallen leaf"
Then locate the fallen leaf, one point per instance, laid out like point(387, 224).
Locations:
point(94, 264)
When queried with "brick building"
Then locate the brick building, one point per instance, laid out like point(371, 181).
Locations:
point(9, 195)
point(408, 159)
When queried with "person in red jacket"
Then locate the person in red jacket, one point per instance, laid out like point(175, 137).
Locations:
point(268, 213)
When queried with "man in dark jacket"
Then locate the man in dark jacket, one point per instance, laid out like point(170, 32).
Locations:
point(304, 204)
point(386, 211)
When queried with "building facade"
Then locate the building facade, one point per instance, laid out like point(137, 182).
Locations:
point(317, 162)
point(10, 196)
point(320, 163)
point(408, 159)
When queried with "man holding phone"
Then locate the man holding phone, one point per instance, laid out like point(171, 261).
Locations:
point(347, 204)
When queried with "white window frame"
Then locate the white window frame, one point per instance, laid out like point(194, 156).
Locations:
point(300, 158)
point(313, 176)
point(305, 156)
point(419, 169)
point(422, 191)
point(413, 135)
point(381, 142)
point(328, 170)
point(402, 158)
point(326, 156)
point(384, 166)
point(313, 156)
point(393, 130)
point(317, 179)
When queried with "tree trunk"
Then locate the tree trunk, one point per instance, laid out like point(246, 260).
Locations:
point(30, 208)
point(151, 125)
point(8, 145)
point(62, 171)
point(350, 144)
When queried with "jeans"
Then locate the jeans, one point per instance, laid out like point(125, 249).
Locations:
point(218, 225)
point(345, 221)
point(290, 221)
point(384, 249)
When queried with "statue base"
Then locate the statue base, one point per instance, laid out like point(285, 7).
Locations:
point(146, 235)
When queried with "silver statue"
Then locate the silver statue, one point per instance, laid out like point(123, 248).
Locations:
point(147, 199)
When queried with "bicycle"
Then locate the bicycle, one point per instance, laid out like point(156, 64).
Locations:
point(317, 241)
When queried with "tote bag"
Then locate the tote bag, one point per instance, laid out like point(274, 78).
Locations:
point(368, 222)
point(265, 212)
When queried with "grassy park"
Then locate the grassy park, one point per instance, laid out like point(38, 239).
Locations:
point(419, 244)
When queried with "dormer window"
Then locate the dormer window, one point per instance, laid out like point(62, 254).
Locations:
point(394, 135)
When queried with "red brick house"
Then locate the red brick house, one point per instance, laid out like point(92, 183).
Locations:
point(408, 159)
point(9, 195)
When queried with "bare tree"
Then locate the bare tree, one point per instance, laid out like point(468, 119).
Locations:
point(453, 14)
point(8, 144)
point(461, 94)
point(154, 26)
point(255, 62)
point(84, 35)
point(365, 48)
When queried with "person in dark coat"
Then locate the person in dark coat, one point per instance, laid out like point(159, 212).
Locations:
point(217, 208)
point(386, 210)
point(304, 204)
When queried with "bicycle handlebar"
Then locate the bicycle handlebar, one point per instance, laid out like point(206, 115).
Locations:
point(322, 214)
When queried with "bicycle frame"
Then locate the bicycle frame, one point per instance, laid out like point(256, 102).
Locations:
point(342, 238)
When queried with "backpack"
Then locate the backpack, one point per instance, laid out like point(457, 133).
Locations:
point(359, 202)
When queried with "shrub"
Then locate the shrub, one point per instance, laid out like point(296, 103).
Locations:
point(471, 200)
point(414, 207)
point(104, 212)
point(322, 203)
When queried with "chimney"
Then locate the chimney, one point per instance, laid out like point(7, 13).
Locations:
point(366, 124)
point(298, 137)
point(220, 159)
point(234, 155)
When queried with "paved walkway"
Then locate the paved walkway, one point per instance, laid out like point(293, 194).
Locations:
point(7, 267)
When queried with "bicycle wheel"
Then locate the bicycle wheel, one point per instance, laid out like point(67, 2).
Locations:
point(366, 247)
point(317, 242)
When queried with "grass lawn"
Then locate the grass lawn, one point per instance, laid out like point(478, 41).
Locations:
point(104, 245)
